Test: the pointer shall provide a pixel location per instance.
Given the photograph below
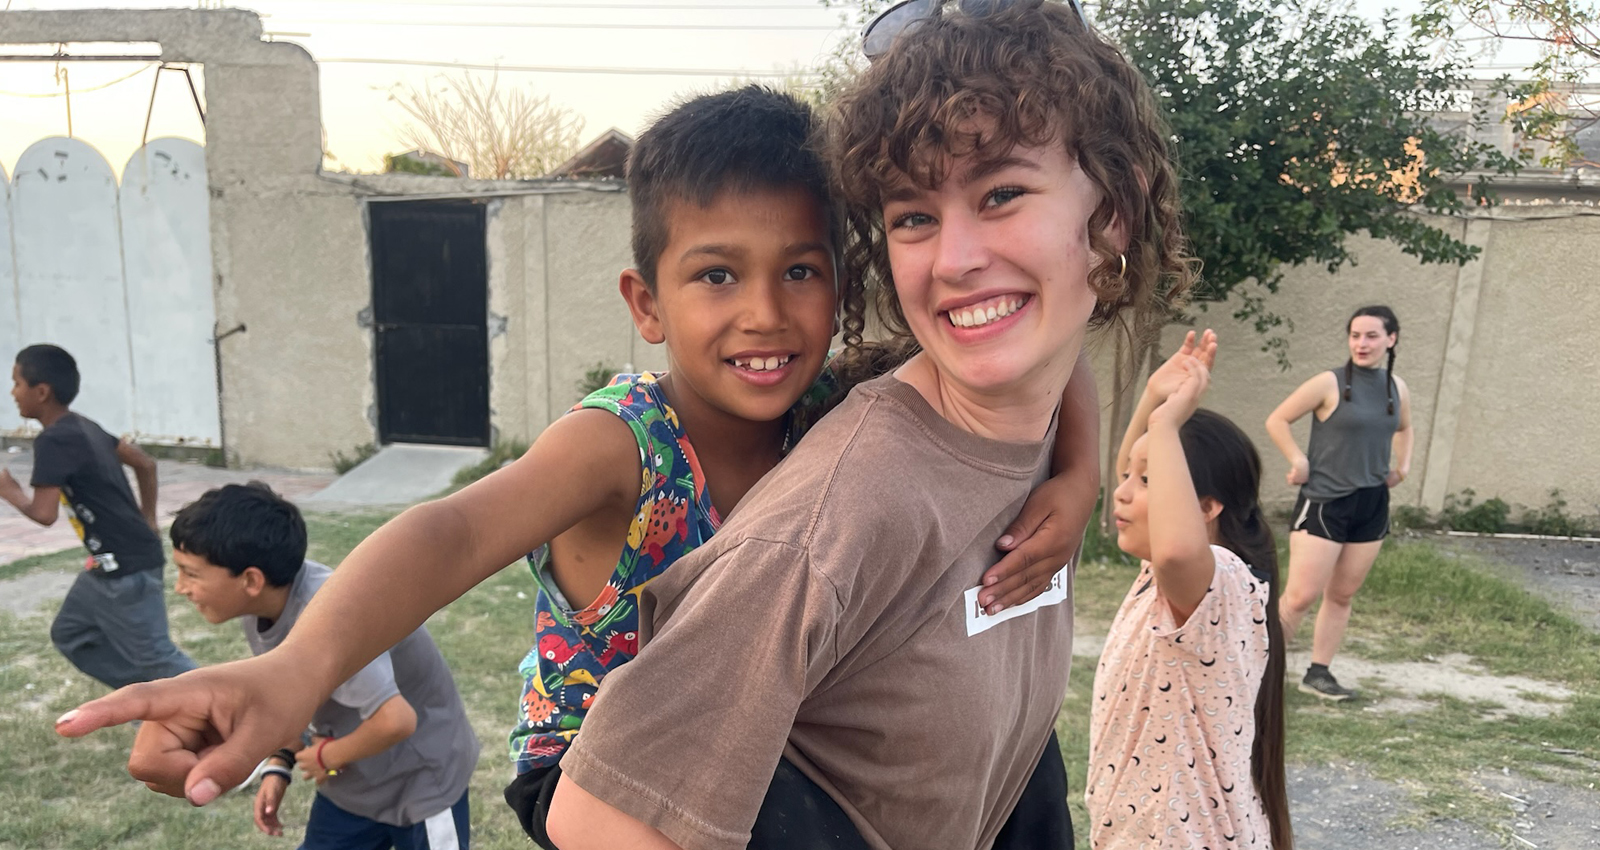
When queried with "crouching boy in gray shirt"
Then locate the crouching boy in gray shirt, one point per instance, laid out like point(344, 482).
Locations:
point(391, 751)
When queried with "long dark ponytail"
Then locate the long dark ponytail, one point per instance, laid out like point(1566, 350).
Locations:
point(1226, 467)
point(1391, 326)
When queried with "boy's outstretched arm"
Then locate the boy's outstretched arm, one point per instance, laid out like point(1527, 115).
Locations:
point(144, 471)
point(206, 729)
point(1050, 527)
point(42, 507)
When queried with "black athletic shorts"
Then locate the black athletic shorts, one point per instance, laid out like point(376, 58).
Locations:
point(1361, 517)
point(799, 815)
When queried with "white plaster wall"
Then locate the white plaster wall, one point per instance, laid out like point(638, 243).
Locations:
point(298, 384)
point(10, 322)
point(587, 245)
point(166, 243)
point(69, 271)
point(508, 393)
point(554, 263)
point(1530, 414)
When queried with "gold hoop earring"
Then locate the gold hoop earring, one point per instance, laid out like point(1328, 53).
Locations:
point(1123, 272)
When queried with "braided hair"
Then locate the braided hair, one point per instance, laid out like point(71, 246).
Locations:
point(1391, 326)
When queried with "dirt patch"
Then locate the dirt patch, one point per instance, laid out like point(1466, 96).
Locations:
point(1088, 645)
point(1413, 686)
point(22, 596)
point(1546, 814)
point(1342, 806)
point(1408, 685)
point(1564, 572)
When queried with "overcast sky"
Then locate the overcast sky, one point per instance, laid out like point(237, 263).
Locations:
point(110, 100)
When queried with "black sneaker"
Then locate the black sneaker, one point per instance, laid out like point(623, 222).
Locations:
point(1322, 684)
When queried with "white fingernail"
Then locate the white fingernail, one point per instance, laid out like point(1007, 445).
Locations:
point(67, 717)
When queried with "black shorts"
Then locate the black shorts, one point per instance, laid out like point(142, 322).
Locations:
point(1361, 517)
point(798, 815)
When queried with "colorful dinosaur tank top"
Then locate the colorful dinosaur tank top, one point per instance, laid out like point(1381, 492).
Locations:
point(574, 649)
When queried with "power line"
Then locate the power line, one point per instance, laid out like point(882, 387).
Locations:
point(559, 69)
point(122, 79)
point(558, 26)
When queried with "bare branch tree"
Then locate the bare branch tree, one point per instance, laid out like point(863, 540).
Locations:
point(500, 132)
point(1559, 103)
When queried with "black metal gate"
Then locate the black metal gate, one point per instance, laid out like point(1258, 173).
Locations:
point(430, 297)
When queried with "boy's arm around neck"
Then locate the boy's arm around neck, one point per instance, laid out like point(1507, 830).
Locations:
point(411, 567)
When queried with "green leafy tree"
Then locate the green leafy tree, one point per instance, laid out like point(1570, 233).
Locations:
point(1556, 100)
point(393, 164)
point(1299, 124)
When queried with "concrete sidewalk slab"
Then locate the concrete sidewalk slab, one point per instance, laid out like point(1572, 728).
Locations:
point(399, 474)
point(178, 484)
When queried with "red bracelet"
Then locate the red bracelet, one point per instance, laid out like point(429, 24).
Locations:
point(318, 754)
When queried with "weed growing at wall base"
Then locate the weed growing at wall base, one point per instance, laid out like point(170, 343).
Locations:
point(1552, 519)
point(596, 377)
point(500, 454)
point(1462, 513)
point(359, 455)
point(1410, 518)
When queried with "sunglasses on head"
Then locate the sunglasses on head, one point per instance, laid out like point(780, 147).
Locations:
point(905, 16)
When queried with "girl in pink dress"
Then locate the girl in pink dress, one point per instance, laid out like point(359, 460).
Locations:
point(1186, 738)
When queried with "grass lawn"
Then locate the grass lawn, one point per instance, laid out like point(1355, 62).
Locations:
point(75, 794)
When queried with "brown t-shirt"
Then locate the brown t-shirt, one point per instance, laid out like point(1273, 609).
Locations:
point(827, 621)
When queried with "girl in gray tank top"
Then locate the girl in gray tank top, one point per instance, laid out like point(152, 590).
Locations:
point(1360, 447)
point(1349, 450)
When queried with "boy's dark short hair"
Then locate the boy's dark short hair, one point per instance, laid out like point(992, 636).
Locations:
point(238, 526)
point(50, 364)
point(748, 138)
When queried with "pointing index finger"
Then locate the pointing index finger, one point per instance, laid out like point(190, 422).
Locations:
point(114, 709)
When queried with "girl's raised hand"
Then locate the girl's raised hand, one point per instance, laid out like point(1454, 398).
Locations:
point(1184, 399)
point(1166, 379)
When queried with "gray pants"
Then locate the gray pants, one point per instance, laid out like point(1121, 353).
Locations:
point(114, 628)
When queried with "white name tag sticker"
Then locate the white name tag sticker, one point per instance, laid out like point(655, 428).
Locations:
point(979, 622)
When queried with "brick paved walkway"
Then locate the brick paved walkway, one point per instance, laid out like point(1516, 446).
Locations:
point(179, 484)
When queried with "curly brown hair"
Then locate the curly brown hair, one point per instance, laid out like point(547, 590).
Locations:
point(1029, 75)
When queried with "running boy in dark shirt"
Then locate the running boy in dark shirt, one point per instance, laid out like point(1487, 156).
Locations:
point(113, 623)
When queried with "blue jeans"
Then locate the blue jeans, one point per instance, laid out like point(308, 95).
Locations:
point(333, 828)
point(114, 628)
